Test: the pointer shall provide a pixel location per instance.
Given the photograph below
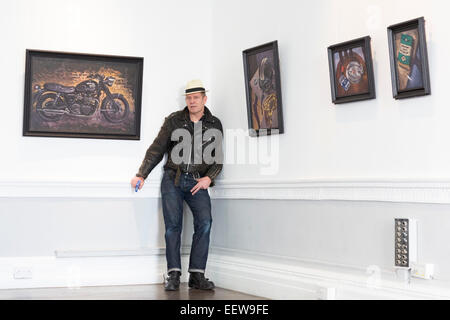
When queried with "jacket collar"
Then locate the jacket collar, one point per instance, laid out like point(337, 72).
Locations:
point(207, 115)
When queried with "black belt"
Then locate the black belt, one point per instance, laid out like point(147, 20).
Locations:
point(194, 175)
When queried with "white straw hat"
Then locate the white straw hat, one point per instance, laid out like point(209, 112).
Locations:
point(194, 86)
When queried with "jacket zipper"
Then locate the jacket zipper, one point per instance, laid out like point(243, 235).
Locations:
point(190, 151)
point(192, 147)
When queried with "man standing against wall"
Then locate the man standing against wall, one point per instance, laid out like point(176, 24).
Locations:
point(192, 138)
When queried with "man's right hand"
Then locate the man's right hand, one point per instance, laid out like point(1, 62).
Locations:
point(135, 180)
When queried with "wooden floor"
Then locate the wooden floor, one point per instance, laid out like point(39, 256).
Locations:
point(136, 292)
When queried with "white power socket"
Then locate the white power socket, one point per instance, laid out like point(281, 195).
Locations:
point(423, 271)
point(326, 293)
point(23, 273)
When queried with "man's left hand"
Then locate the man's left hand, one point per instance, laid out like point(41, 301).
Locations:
point(202, 183)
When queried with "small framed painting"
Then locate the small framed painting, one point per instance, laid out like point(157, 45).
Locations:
point(263, 89)
point(409, 59)
point(351, 71)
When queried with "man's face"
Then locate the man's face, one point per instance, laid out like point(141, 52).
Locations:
point(196, 102)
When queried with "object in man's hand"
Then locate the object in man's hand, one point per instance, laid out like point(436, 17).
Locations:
point(137, 186)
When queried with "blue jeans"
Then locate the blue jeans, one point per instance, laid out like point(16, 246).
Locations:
point(200, 205)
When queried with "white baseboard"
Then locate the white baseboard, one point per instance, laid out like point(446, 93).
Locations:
point(276, 277)
point(50, 272)
point(89, 268)
point(262, 275)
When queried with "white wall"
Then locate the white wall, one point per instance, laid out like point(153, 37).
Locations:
point(161, 32)
point(341, 233)
point(375, 139)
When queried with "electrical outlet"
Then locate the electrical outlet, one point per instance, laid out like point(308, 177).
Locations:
point(23, 273)
point(424, 271)
point(325, 293)
point(405, 242)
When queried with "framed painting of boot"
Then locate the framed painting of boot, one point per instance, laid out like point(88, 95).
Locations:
point(351, 71)
point(263, 90)
point(409, 59)
point(76, 95)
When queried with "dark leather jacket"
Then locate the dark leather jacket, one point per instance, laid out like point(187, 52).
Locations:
point(163, 144)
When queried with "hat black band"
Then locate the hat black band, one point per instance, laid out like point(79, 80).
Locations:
point(195, 89)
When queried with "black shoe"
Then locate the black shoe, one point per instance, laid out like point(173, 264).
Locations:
point(173, 281)
point(197, 280)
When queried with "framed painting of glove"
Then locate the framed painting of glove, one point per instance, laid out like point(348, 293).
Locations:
point(263, 90)
point(76, 95)
point(351, 71)
point(409, 59)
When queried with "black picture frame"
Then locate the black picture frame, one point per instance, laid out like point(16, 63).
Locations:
point(355, 82)
point(415, 80)
point(79, 95)
point(264, 101)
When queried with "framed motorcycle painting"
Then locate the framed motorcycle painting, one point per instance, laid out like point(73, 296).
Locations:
point(409, 59)
point(351, 71)
point(77, 95)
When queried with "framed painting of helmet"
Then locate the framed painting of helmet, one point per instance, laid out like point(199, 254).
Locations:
point(351, 71)
point(263, 90)
point(76, 95)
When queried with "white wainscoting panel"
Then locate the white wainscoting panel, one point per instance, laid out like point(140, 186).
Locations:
point(88, 268)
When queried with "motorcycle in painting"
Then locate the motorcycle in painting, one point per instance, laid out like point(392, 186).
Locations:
point(54, 100)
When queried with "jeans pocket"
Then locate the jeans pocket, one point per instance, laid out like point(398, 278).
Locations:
point(170, 173)
point(191, 181)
